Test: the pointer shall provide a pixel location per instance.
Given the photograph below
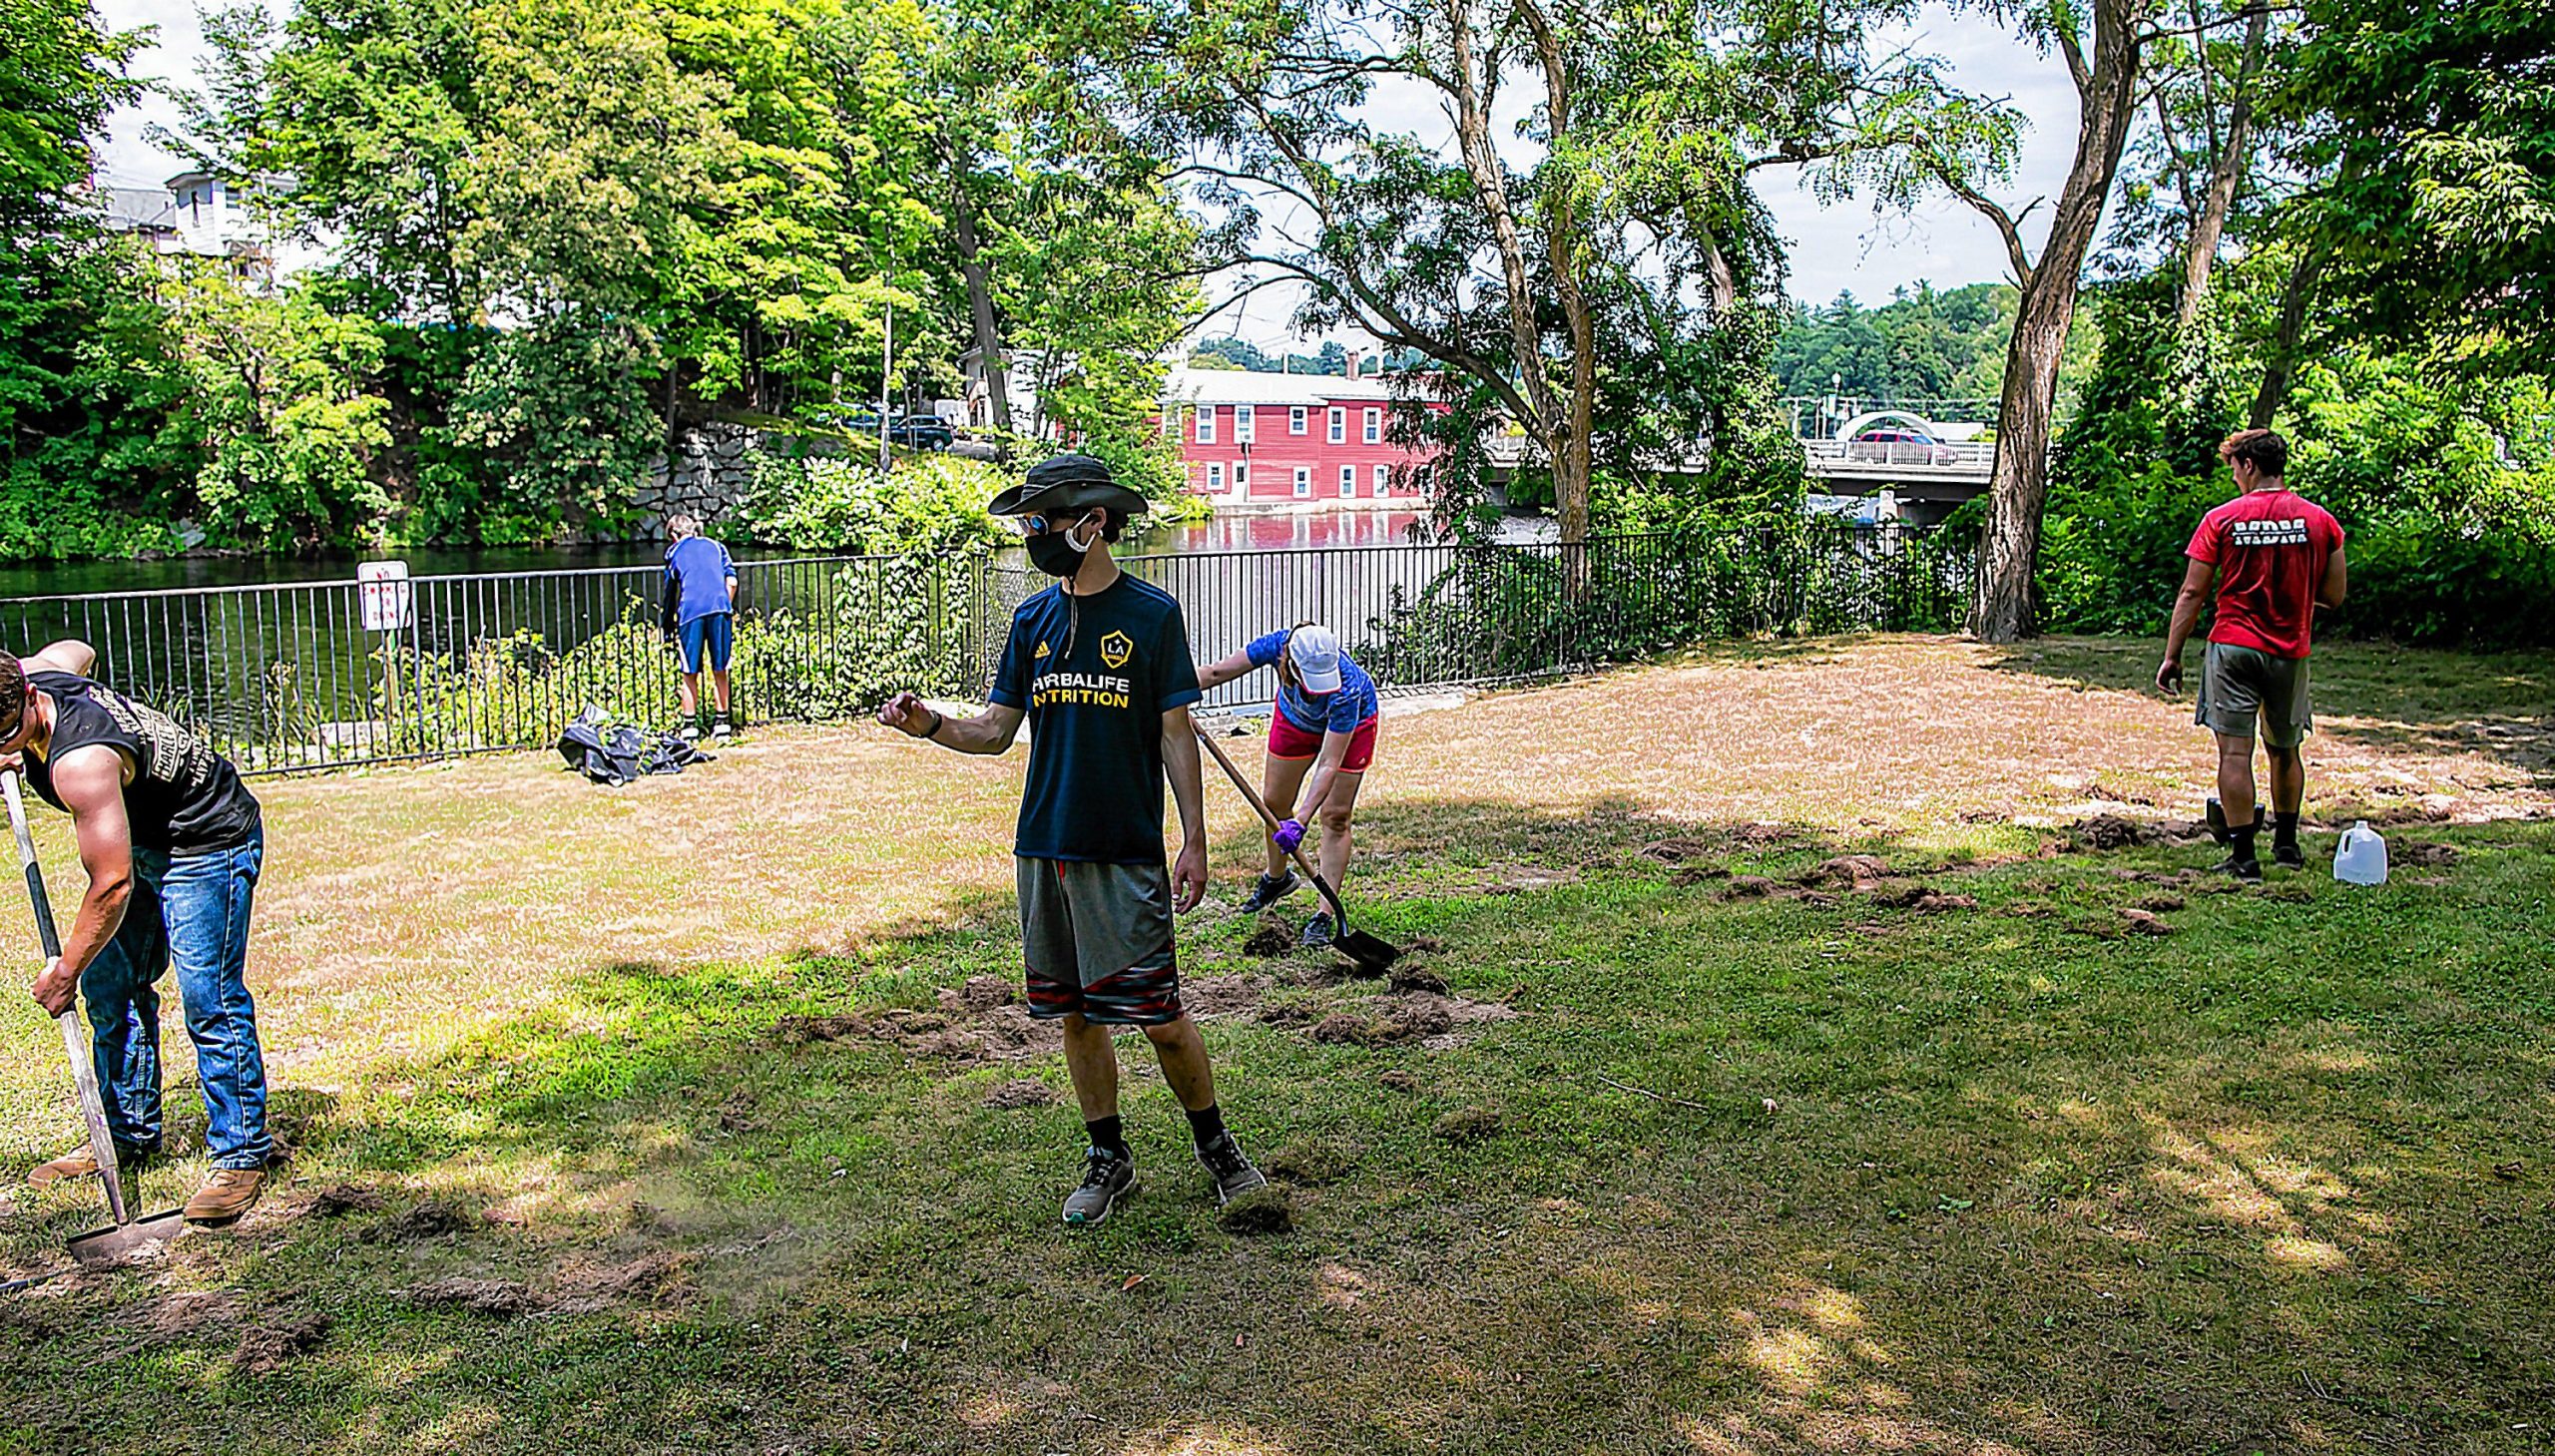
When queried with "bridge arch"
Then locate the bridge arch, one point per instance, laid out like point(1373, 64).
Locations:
point(1861, 422)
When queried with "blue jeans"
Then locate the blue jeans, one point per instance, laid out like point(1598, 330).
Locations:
point(192, 913)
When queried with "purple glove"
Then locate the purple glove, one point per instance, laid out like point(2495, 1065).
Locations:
point(1287, 836)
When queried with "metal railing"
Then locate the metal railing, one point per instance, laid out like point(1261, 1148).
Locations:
point(285, 677)
point(1959, 456)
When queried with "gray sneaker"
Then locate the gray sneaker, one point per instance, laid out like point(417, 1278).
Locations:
point(1229, 1168)
point(1272, 889)
point(1105, 1177)
point(1318, 931)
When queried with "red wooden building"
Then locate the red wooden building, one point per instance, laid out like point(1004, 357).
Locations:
point(1280, 440)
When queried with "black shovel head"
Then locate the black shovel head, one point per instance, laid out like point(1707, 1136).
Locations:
point(121, 1244)
point(1372, 956)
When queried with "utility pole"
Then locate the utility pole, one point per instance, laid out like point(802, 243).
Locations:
point(886, 388)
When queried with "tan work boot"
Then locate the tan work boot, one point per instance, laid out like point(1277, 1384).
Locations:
point(229, 1193)
point(84, 1164)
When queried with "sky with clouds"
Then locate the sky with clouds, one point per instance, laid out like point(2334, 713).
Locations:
point(1846, 246)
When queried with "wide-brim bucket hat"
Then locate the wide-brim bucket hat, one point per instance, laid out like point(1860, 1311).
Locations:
point(1066, 485)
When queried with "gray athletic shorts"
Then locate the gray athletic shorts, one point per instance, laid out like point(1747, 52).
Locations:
point(2239, 685)
point(1095, 941)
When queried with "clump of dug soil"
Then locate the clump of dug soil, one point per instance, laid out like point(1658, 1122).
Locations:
point(1399, 1081)
point(270, 1347)
point(1924, 899)
point(1846, 871)
point(340, 1200)
point(432, 1219)
point(1269, 940)
point(2145, 922)
point(1312, 1162)
point(2424, 854)
point(1408, 977)
point(1262, 1210)
point(1469, 1124)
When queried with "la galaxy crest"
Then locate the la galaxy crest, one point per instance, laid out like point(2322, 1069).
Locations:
point(1115, 648)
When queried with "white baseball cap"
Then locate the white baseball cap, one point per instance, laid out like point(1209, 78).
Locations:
point(1314, 650)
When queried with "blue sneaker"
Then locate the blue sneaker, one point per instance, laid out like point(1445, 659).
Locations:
point(1318, 931)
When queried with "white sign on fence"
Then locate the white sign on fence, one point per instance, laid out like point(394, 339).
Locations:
point(384, 589)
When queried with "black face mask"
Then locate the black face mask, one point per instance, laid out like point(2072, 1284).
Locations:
point(1056, 554)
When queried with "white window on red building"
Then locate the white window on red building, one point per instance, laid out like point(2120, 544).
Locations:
point(1339, 425)
point(1383, 479)
point(1242, 475)
point(1294, 419)
point(1347, 482)
point(1205, 424)
point(1374, 426)
point(1215, 477)
point(1304, 480)
point(1244, 424)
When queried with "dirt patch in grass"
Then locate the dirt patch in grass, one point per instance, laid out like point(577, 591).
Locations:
point(652, 1279)
point(1270, 939)
point(2415, 854)
point(270, 1347)
point(499, 1299)
point(1021, 1093)
point(178, 1317)
point(1437, 1023)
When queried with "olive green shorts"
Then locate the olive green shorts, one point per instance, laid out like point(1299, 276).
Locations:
point(2241, 685)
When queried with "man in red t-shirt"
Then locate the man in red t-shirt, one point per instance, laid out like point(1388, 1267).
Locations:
point(2275, 557)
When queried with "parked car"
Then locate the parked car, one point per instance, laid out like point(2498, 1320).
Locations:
point(1900, 448)
point(913, 431)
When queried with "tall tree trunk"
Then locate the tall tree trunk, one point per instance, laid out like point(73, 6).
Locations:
point(981, 312)
point(2226, 175)
point(2282, 357)
point(1575, 466)
point(2005, 606)
point(1568, 449)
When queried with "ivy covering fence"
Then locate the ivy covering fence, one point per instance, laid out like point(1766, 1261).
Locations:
point(290, 677)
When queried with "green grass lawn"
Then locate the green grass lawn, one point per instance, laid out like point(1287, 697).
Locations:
point(1743, 1172)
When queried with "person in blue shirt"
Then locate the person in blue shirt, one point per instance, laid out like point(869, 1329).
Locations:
point(700, 613)
point(1098, 665)
point(1322, 740)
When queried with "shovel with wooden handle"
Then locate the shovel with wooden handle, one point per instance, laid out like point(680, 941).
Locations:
point(1372, 955)
point(127, 1234)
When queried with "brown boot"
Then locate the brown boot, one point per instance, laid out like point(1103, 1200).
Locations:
point(229, 1193)
point(84, 1164)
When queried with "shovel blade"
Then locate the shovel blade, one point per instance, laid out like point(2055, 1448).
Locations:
point(1372, 956)
point(121, 1244)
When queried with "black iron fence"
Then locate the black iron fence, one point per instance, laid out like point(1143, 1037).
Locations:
point(288, 676)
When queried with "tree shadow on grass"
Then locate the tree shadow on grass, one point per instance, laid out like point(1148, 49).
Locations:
point(1759, 1174)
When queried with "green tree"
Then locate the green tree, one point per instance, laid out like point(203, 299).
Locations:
point(2426, 135)
point(279, 411)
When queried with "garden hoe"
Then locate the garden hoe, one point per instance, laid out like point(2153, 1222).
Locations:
point(1372, 956)
point(127, 1235)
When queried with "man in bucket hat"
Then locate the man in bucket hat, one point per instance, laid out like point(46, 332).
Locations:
point(1098, 666)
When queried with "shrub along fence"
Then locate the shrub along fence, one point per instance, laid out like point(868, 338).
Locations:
point(288, 676)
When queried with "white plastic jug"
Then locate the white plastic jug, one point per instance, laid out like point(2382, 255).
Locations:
point(2360, 859)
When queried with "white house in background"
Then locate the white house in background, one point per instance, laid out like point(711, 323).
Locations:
point(196, 214)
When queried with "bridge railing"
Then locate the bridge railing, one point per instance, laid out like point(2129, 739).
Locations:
point(1964, 455)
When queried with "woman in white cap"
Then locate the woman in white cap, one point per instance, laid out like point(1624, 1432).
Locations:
point(1321, 738)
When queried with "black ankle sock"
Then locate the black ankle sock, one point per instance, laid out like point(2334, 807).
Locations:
point(2285, 830)
point(1108, 1135)
point(2244, 838)
point(1206, 1127)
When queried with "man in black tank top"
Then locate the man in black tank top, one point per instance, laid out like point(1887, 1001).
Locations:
point(172, 844)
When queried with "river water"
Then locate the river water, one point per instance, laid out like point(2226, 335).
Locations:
point(1295, 531)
